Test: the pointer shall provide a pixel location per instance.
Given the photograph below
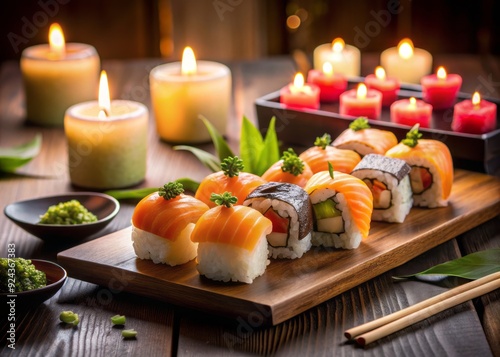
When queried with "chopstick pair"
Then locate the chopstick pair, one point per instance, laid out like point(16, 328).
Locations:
point(374, 330)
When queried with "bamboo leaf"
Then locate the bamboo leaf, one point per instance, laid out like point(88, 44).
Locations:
point(269, 152)
point(251, 143)
point(206, 158)
point(14, 157)
point(189, 184)
point(140, 193)
point(221, 147)
point(472, 266)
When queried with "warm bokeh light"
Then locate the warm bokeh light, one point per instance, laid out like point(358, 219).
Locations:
point(293, 22)
point(298, 81)
point(338, 45)
point(362, 91)
point(188, 65)
point(476, 99)
point(441, 73)
point(104, 98)
point(56, 40)
point(413, 103)
point(327, 68)
point(380, 72)
point(405, 48)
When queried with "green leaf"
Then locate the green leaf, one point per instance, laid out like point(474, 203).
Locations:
point(251, 144)
point(13, 157)
point(270, 152)
point(188, 184)
point(221, 147)
point(206, 158)
point(472, 266)
point(136, 194)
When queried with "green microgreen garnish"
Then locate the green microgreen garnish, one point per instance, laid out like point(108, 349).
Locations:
point(359, 124)
point(292, 163)
point(171, 190)
point(231, 166)
point(412, 137)
point(323, 141)
point(226, 199)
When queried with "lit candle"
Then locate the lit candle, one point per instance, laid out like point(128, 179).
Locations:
point(107, 141)
point(388, 86)
point(183, 91)
point(441, 89)
point(361, 102)
point(405, 62)
point(345, 59)
point(411, 111)
point(330, 84)
point(300, 95)
point(56, 76)
point(476, 116)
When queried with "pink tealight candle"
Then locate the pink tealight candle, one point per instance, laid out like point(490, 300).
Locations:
point(441, 89)
point(476, 116)
point(330, 84)
point(300, 95)
point(388, 86)
point(361, 102)
point(411, 111)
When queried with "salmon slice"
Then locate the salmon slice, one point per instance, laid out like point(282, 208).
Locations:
point(342, 160)
point(276, 174)
point(366, 141)
point(239, 226)
point(358, 196)
point(167, 218)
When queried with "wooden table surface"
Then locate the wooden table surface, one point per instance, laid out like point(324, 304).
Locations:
point(470, 329)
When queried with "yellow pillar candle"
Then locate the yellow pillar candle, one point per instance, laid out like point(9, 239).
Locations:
point(107, 142)
point(406, 63)
point(56, 76)
point(182, 91)
point(345, 59)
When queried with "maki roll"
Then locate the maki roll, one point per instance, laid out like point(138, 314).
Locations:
point(389, 182)
point(364, 140)
point(289, 208)
point(431, 175)
point(290, 168)
point(342, 209)
point(232, 244)
point(162, 223)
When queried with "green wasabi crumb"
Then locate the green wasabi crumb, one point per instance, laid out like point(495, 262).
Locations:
point(18, 274)
point(67, 213)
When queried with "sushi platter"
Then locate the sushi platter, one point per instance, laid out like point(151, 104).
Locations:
point(288, 287)
point(477, 152)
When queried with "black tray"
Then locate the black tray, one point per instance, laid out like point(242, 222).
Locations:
point(300, 127)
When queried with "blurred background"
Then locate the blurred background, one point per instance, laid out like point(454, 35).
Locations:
point(227, 30)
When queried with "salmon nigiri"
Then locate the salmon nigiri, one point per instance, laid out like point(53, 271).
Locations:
point(318, 156)
point(289, 169)
point(232, 243)
point(365, 140)
point(431, 175)
point(342, 209)
point(231, 178)
point(162, 223)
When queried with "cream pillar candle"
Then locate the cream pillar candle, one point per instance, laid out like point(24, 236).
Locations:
point(107, 144)
point(345, 59)
point(181, 92)
point(56, 76)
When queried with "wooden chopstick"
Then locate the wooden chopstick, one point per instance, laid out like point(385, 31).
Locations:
point(374, 330)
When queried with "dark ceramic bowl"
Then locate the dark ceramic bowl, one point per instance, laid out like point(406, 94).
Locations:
point(26, 214)
point(56, 276)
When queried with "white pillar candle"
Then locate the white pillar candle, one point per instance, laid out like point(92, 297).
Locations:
point(406, 63)
point(181, 92)
point(345, 59)
point(107, 144)
point(56, 76)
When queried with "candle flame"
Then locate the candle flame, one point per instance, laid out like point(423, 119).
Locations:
point(405, 48)
point(476, 99)
point(380, 72)
point(413, 103)
point(441, 73)
point(327, 68)
point(56, 40)
point(362, 91)
point(338, 45)
point(188, 61)
point(298, 81)
point(104, 99)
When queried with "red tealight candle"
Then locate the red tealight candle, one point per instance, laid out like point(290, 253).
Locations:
point(476, 116)
point(441, 89)
point(300, 95)
point(411, 111)
point(388, 86)
point(330, 84)
point(361, 102)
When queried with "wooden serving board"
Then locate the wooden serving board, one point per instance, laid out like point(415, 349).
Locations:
point(288, 287)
